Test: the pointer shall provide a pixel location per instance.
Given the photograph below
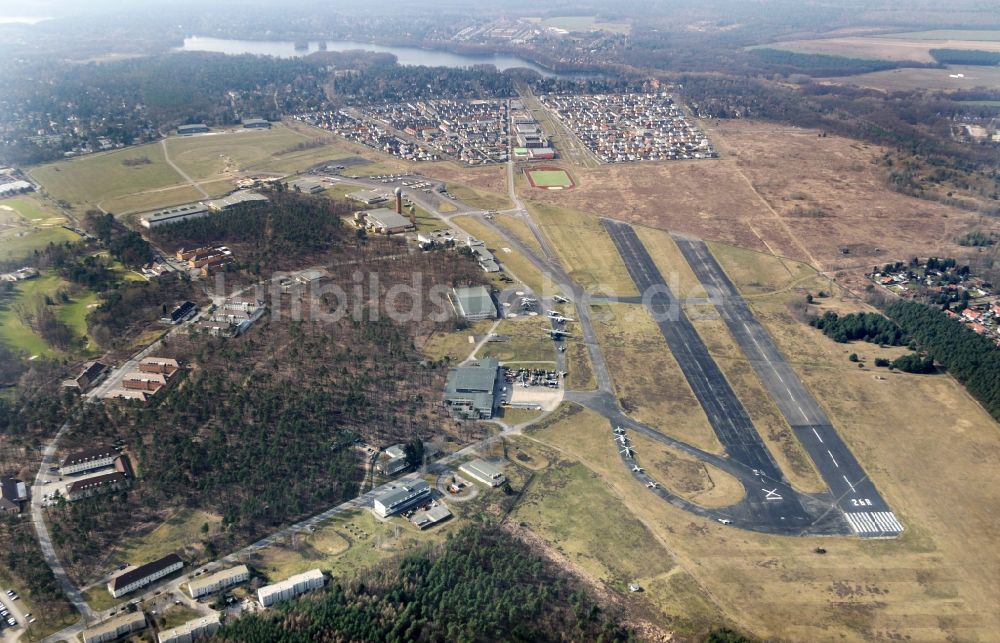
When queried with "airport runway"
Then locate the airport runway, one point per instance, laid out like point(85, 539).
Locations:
point(864, 508)
point(771, 495)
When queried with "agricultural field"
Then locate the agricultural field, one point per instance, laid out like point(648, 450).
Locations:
point(914, 46)
point(27, 224)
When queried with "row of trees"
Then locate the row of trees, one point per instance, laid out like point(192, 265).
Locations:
point(482, 585)
point(972, 358)
point(869, 327)
point(822, 65)
point(966, 57)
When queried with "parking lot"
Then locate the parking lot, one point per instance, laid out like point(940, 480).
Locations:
point(13, 619)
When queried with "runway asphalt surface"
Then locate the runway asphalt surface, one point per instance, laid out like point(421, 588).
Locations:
point(865, 509)
point(772, 498)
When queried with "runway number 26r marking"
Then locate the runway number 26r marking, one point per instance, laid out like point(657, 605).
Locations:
point(861, 502)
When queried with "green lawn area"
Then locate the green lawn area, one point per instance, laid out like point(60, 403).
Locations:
point(99, 598)
point(27, 224)
point(527, 342)
point(182, 529)
point(550, 178)
point(454, 345)
point(480, 198)
point(176, 615)
point(13, 331)
point(346, 543)
point(202, 157)
point(74, 314)
point(88, 180)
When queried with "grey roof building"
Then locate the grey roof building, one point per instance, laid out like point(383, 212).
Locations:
point(192, 630)
point(173, 215)
point(484, 472)
point(473, 303)
point(401, 497)
point(234, 199)
point(256, 123)
point(470, 391)
point(196, 128)
point(115, 628)
point(386, 221)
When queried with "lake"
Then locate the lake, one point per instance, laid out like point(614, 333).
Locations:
point(408, 56)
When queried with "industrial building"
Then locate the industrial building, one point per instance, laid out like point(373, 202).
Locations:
point(144, 575)
point(484, 472)
point(115, 628)
point(291, 587)
point(473, 303)
point(369, 197)
point(218, 581)
point(306, 186)
point(175, 214)
point(430, 517)
point(471, 391)
point(487, 261)
point(384, 221)
point(192, 630)
point(236, 198)
point(196, 128)
point(402, 497)
point(256, 123)
point(88, 459)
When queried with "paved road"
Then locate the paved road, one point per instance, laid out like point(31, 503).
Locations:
point(778, 504)
point(865, 509)
point(194, 184)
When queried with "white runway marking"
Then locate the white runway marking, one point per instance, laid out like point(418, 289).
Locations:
point(849, 484)
point(875, 522)
point(833, 458)
point(817, 435)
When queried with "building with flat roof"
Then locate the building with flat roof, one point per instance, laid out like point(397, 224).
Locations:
point(291, 587)
point(144, 575)
point(473, 303)
point(369, 197)
point(175, 214)
point(236, 198)
point(401, 497)
point(429, 517)
point(196, 128)
point(471, 390)
point(192, 630)
point(115, 628)
point(386, 221)
point(88, 459)
point(307, 186)
point(484, 472)
point(256, 123)
point(218, 581)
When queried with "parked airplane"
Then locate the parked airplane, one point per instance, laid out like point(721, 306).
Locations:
point(652, 485)
point(556, 333)
point(559, 300)
point(637, 469)
point(619, 430)
point(622, 440)
point(628, 451)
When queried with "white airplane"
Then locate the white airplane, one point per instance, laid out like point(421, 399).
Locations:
point(553, 313)
point(622, 440)
point(559, 300)
point(652, 485)
point(556, 334)
point(637, 469)
point(620, 431)
point(559, 319)
point(628, 451)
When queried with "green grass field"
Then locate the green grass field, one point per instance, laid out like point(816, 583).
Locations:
point(550, 178)
point(27, 225)
point(182, 529)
